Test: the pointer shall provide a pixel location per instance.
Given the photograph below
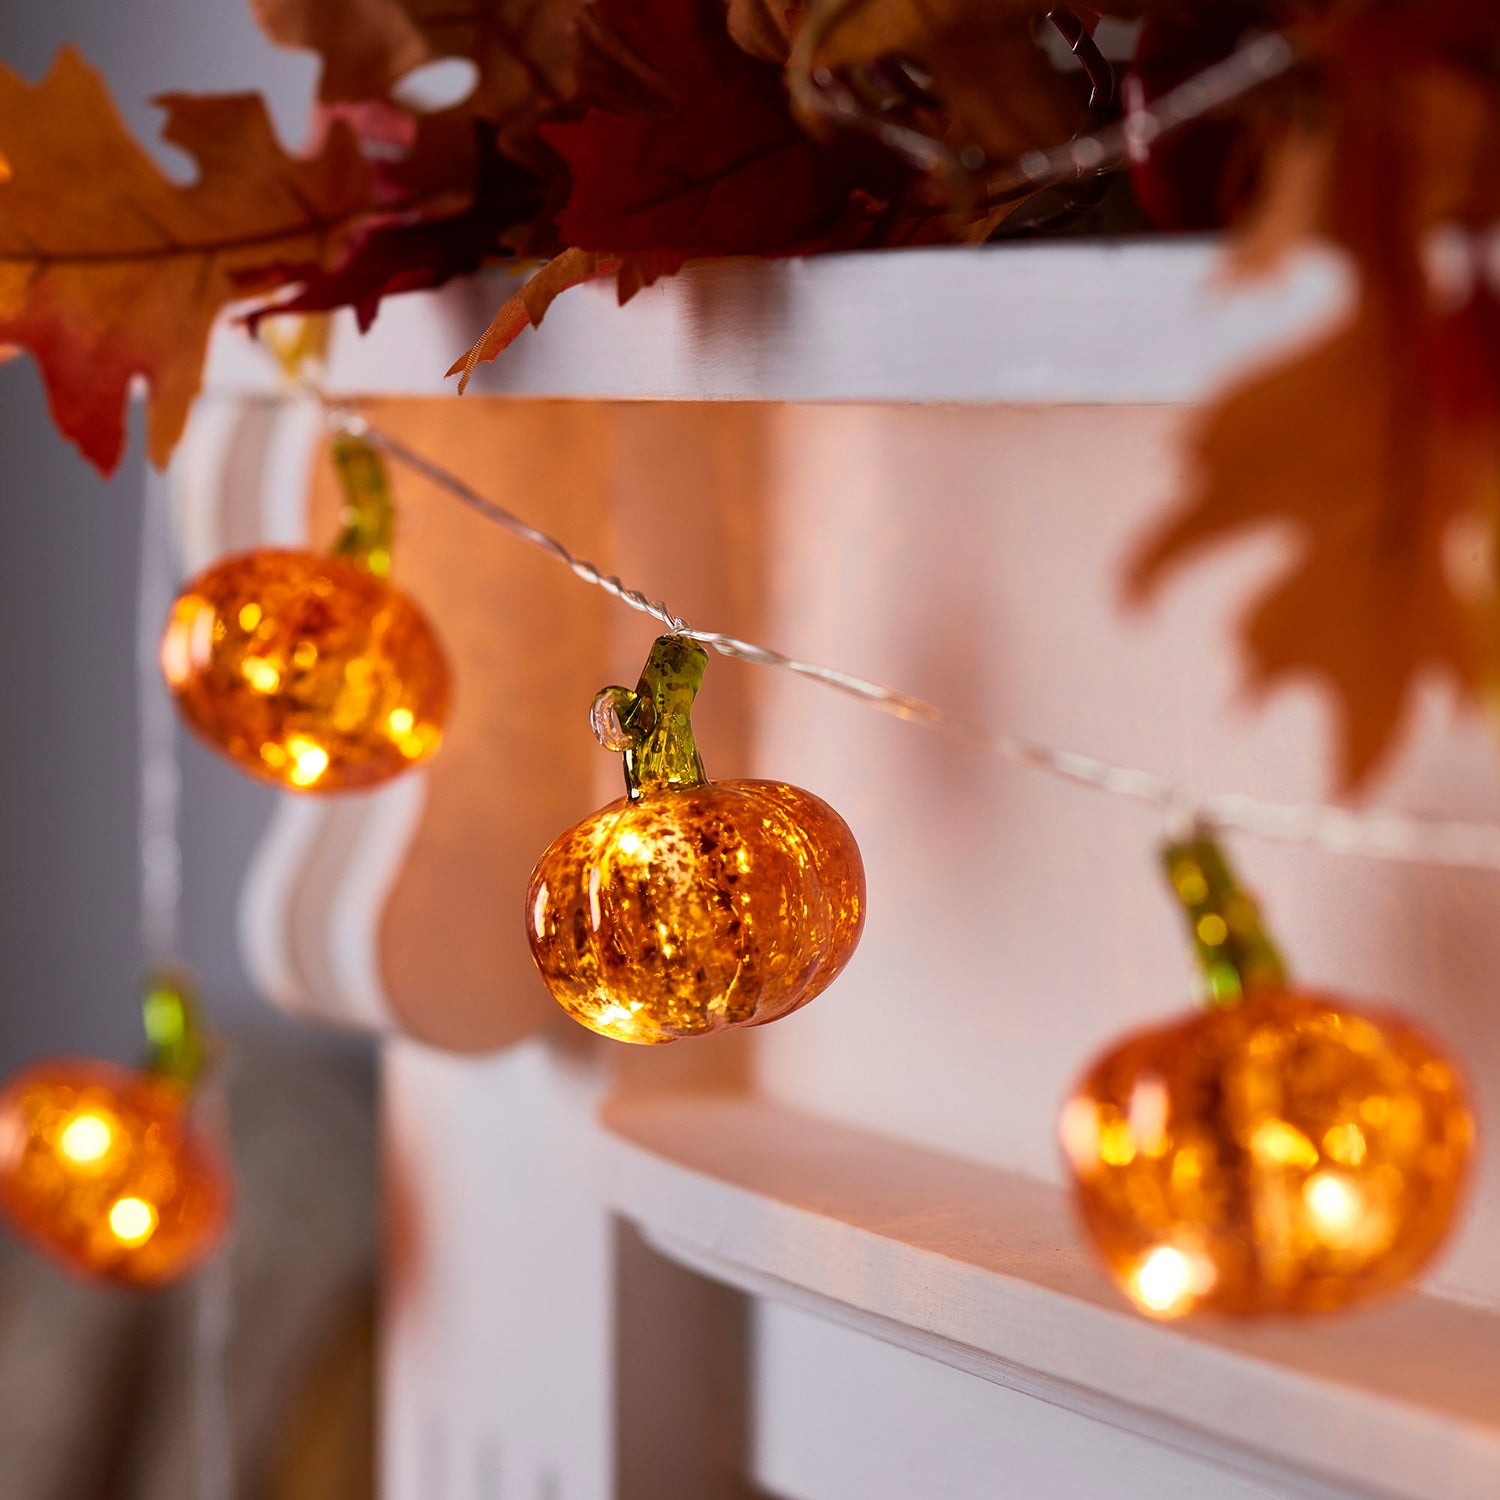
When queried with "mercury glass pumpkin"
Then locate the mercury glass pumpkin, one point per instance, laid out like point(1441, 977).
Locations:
point(1284, 1152)
point(692, 906)
point(309, 671)
point(102, 1169)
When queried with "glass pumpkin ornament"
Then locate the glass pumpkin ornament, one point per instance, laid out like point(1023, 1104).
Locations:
point(1281, 1152)
point(102, 1168)
point(690, 906)
point(313, 672)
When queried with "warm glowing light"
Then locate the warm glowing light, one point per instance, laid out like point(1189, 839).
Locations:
point(1163, 1282)
point(1078, 1130)
point(419, 743)
point(1275, 1143)
point(1301, 1173)
point(1212, 929)
point(539, 911)
point(176, 655)
point(596, 916)
point(261, 674)
point(1345, 1143)
point(1149, 1108)
point(132, 1221)
point(270, 646)
point(624, 946)
point(1187, 1169)
point(102, 1167)
point(309, 761)
point(86, 1138)
point(1116, 1143)
point(1334, 1203)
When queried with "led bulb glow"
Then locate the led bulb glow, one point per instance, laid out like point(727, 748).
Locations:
point(132, 1221)
point(86, 1138)
point(1163, 1282)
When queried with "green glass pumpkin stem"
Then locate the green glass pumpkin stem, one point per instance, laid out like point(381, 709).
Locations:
point(175, 1045)
point(1237, 955)
point(657, 719)
point(369, 514)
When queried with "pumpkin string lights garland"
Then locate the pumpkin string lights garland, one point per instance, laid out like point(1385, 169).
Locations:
point(102, 1168)
point(315, 673)
point(690, 906)
point(1282, 1152)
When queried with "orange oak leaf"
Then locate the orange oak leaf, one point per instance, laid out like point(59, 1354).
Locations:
point(1347, 445)
point(529, 305)
point(1383, 442)
point(525, 50)
point(109, 270)
point(978, 57)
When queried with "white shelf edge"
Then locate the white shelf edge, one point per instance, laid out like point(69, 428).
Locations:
point(1132, 322)
point(981, 1269)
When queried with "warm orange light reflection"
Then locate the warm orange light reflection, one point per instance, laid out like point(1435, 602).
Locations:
point(1289, 1154)
point(86, 1138)
point(307, 671)
point(1163, 1282)
point(132, 1221)
point(101, 1168)
point(696, 909)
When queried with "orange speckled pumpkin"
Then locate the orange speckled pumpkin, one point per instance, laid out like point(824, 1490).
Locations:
point(1283, 1153)
point(101, 1168)
point(692, 906)
point(313, 672)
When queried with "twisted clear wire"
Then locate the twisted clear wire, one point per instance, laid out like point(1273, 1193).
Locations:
point(1374, 833)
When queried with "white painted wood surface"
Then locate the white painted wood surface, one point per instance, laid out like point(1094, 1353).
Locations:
point(841, 1415)
point(1015, 926)
point(319, 880)
point(984, 1271)
point(499, 1299)
point(1138, 321)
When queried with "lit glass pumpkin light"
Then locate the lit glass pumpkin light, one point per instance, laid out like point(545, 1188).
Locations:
point(1284, 1152)
point(102, 1169)
point(309, 671)
point(690, 906)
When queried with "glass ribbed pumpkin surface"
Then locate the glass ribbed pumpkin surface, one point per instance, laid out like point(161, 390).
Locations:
point(1282, 1152)
point(308, 671)
point(102, 1169)
point(691, 906)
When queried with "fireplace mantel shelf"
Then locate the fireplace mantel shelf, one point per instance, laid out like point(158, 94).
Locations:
point(1144, 321)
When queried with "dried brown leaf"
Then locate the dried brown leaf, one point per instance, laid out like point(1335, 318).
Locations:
point(525, 50)
point(1345, 446)
point(529, 306)
point(109, 270)
point(999, 88)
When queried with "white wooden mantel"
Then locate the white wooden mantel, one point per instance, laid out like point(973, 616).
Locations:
point(834, 1261)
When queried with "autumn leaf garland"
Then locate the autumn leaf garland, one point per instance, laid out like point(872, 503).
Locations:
point(619, 137)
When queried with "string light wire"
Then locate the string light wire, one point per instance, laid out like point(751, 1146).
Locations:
point(1374, 833)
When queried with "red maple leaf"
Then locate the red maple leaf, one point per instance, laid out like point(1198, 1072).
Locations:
point(724, 169)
